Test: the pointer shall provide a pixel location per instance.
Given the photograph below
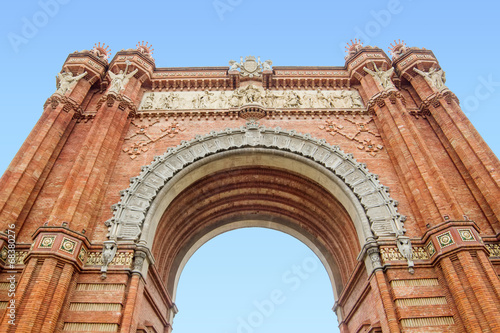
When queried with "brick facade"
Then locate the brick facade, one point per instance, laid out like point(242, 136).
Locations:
point(294, 151)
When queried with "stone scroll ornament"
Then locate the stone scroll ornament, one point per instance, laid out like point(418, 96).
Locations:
point(130, 213)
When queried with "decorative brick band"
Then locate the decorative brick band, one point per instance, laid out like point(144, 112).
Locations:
point(433, 321)
point(95, 307)
point(415, 283)
point(100, 287)
point(421, 301)
point(90, 327)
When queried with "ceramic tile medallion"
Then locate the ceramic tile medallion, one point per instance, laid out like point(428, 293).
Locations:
point(430, 249)
point(47, 242)
point(68, 245)
point(466, 235)
point(445, 239)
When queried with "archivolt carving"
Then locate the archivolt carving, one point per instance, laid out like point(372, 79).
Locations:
point(129, 214)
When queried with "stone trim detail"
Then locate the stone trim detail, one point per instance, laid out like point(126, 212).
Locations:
point(129, 214)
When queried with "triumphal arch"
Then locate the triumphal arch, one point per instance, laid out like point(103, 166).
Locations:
point(132, 167)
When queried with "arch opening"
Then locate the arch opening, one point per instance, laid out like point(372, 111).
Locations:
point(268, 284)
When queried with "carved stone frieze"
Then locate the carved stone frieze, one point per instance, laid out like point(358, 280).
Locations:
point(130, 212)
point(251, 94)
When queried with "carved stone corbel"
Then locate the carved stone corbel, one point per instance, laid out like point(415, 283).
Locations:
point(108, 253)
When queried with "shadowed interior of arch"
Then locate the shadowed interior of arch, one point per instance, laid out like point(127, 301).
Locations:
point(254, 280)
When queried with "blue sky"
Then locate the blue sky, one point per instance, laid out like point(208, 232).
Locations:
point(463, 36)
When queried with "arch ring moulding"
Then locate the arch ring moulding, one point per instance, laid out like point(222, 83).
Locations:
point(373, 211)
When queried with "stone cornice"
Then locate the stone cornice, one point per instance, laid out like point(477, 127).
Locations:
point(434, 100)
point(379, 99)
point(124, 102)
point(67, 103)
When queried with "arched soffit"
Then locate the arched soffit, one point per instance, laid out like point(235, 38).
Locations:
point(368, 203)
point(279, 225)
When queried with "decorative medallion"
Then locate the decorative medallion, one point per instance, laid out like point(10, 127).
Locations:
point(82, 254)
point(68, 245)
point(47, 242)
point(466, 235)
point(4, 253)
point(430, 249)
point(445, 239)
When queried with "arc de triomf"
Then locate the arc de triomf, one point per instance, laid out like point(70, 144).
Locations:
point(132, 167)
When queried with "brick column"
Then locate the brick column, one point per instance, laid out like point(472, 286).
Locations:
point(383, 289)
point(480, 166)
point(85, 184)
point(26, 174)
point(431, 197)
point(130, 311)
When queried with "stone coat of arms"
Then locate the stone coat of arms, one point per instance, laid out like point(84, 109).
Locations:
point(251, 67)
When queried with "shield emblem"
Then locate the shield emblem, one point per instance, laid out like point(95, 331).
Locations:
point(250, 65)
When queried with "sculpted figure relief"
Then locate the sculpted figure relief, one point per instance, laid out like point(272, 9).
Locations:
point(382, 77)
point(251, 94)
point(435, 77)
point(119, 81)
point(149, 102)
point(66, 81)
